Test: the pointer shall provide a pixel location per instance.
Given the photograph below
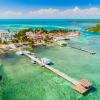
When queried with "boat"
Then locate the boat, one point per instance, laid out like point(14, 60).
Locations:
point(46, 61)
point(61, 43)
point(19, 53)
point(27, 52)
point(33, 62)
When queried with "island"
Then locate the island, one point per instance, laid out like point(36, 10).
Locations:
point(34, 37)
point(94, 29)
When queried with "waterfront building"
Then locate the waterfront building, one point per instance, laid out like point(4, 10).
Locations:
point(30, 34)
point(6, 36)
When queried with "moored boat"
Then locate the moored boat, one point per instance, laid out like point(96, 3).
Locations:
point(46, 61)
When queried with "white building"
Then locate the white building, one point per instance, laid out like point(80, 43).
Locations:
point(6, 36)
point(30, 34)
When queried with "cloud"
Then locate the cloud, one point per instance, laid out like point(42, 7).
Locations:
point(10, 14)
point(76, 12)
point(45, 13)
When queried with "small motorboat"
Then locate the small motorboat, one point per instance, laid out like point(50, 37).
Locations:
point(19, 53)
point(26, 52)
point(46, 61)
point(33, 62)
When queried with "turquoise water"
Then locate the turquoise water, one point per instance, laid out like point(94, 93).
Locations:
point(50, 24)
point(25, 81)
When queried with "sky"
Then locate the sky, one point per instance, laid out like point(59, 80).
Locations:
point(49, 9)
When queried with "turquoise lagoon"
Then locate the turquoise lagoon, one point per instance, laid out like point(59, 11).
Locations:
point(25, 81)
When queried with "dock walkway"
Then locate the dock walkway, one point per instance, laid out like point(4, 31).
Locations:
point(91, 52)
point(77, 46)
point(66, 77)
point(77, 84)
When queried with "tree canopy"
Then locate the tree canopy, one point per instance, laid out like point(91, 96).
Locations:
point(94, 29)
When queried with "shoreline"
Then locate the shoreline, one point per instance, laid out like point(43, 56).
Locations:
point(29, 47)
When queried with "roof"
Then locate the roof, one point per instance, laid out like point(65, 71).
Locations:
point(81, 89)
point(85, 83)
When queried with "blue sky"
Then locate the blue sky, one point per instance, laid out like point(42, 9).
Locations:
point(28, 4)
point(9, 7)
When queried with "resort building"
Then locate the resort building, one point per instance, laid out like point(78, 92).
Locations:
point(30, 34)
point(39, 37)
point(35, 36)
point(58, 37)
point(6, 36)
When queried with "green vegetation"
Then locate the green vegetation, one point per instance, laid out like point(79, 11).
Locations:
point(0, 41)
point(1, 75)
point(4, 42)
point(94, 29)
point(20, 36)
point(47, 38)
point(60, 31)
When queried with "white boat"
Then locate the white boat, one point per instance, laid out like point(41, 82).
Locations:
point(33, 62)
point(19, 53)
point(27, 52)
point(46, 61)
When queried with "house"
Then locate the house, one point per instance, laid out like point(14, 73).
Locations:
point(58, 37)
point(6, 36)
point(30, 34)
point(39, 37)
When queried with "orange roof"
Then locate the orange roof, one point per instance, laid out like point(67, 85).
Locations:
point(81, 89)
point(85, 83)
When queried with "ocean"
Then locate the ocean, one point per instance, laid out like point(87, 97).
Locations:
point(23, 80)
point(50, 24)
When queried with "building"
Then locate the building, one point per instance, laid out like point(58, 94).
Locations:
point(35, 36)
point(30, 34)
point(6, 36)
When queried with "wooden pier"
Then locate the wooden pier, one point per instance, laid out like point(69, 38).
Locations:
point(81, 86)
point(73, 45)
point(84, 50)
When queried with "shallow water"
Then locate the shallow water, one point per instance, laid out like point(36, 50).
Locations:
point(25, 81)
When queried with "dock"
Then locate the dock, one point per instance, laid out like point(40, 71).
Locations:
point(74, 46)
point(84, 50)
point(81, 86)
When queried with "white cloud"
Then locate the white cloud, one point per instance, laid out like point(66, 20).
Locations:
point(10, 14)
point(76, 9)
point(76, 12)
point(45, 13)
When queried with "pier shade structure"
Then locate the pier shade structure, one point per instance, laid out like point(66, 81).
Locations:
point(82, 86)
